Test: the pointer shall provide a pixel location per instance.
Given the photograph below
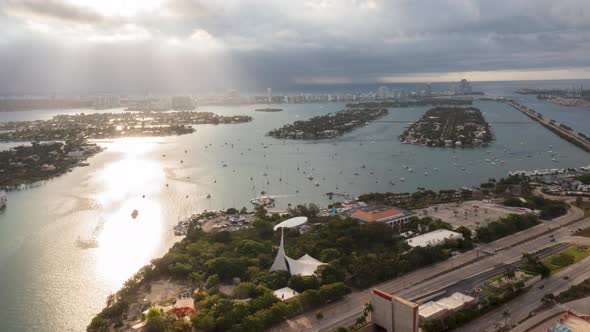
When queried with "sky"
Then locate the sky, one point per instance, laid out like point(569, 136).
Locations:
point(111, 46)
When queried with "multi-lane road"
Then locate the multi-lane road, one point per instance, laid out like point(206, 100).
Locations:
point(441, 276)
point(520, 307)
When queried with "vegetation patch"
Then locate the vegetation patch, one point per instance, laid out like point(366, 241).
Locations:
point(357, 254)
point(575, 292)
point(508, 225)
point(549, 208)
point(565, 258)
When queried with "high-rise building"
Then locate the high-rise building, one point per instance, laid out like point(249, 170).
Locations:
point(182, 103)
point(392, 313)
point(464, 86)
point(269, 95)
point(382, 92)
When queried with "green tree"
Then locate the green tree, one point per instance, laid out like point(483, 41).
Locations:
point(263, 228)
point(156, 324)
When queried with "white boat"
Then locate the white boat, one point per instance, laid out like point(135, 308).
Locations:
point(263, 201)
point(317, 184)
point(402, 179)
point(310, 177)
point(3, 199)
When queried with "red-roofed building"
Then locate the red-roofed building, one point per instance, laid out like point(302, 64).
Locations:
point(390, 215)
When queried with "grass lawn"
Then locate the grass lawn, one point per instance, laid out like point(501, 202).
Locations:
point(492, 282)
point(565, 258)
point(486, 292)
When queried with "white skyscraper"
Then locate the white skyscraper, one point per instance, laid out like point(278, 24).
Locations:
point(269, 95)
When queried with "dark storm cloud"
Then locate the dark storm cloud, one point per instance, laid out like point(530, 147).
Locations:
point(250, 44)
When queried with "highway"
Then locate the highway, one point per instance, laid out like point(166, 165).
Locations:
point(520, 307)
point(443, 275)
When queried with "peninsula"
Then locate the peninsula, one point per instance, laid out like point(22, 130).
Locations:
point(449, 126)
point(223, 280)
point(112, 125)
point(329, 125)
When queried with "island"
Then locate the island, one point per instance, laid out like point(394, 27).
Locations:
point(329, 125)
point(417, 103)
point(63, 142)
point(448, 127)
point(268, 109)
point(41, 161)
point(112, 125)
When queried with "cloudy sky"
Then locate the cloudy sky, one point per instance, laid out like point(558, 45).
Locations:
point(215, 45)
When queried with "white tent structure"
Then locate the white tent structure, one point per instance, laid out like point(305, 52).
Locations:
point(305, 266)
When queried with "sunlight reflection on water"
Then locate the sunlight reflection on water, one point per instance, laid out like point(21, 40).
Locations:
point(134, 182)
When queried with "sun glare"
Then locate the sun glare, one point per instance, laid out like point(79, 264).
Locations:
point(130, 191)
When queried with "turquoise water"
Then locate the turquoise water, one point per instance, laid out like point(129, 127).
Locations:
point(49, 283)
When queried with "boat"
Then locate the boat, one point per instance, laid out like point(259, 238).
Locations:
point(425, 173)
point(263, 201)
point(3, 199)
point(268, 109)
point(310, 177)
point(208, 195)
point(402, 179)
point(134, 214)
point(317, 184)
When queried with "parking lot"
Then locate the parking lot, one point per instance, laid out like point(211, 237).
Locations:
point(470, 214)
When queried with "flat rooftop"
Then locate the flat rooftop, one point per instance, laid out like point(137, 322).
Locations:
point(433, 238)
